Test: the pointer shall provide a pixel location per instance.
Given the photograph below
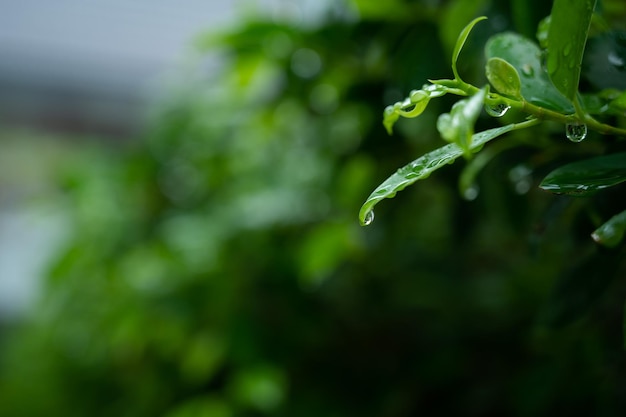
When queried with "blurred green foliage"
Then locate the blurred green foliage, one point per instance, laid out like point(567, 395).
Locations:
point(217, 268)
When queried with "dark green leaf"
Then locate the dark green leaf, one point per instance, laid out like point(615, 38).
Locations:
point(525, 56)
point(569, 26)
point(503, 77)
point(611, 233)
point(588, 176)
point(422, 167)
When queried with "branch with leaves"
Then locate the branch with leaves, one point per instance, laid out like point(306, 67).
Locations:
point(518, 80)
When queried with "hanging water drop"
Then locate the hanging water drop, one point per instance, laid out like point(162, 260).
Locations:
point(471, 192)
point(576, 132)
point(369, 218)
point(498, 110)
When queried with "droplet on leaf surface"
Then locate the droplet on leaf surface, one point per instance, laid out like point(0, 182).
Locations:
point(498, 110)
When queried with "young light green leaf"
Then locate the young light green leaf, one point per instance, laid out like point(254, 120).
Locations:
point(611, 233)
point(412, 106)
point(588, 176)
point(504, 78)
point(390, 117)
point(460, 42)
point(525, 56)
point(542, 32)
point(422, 167)
point(567, 35)
point(458, 125)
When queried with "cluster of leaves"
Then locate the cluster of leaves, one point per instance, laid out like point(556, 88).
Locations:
point(216, 268)
point(542, 93)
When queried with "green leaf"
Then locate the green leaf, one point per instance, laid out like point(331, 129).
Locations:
point(542, 32)
point(504, 77)
point(460, 42)
point(611, 233)
point(422, 167)
point(588, 176)
point(567, 35)
point(412, 106)
point(458, 125)
point(525, 56)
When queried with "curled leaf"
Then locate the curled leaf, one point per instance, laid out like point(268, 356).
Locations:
point(412, 106)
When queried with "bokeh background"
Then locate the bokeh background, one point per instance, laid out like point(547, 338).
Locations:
point(179, 189)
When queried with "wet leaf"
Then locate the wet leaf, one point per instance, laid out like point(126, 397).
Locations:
point(588, 176)
point(412, 106)
point(458, 125)
point(567, 35)
point(525, 56)
point(504, 77)
point(611, 233)
point(422, 167)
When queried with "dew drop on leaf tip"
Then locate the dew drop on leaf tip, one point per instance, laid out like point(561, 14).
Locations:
point(498, 110)
point(369, 218)
point(576, 132)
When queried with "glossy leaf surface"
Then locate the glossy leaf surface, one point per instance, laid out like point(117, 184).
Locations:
point(588, 176)
point(567, 35)
point(525, 56)
point(503, 77)
point(611, 233)
point(422, 167)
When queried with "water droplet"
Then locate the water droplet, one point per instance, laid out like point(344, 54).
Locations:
point(369, 218)
point(498, 110)
point(521, 178)
point(616, 60)
point(567, 49)
point(471, 192)
point(576, 132)
point(528, 70)
point(417, 96)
